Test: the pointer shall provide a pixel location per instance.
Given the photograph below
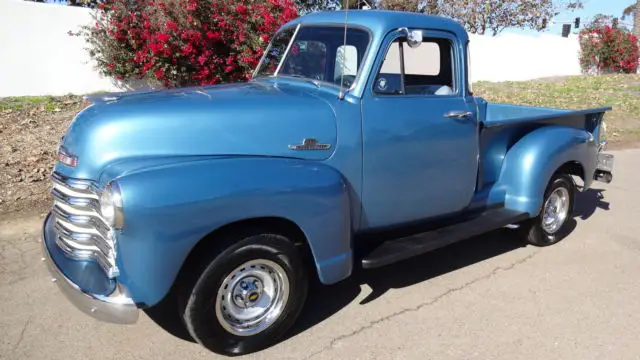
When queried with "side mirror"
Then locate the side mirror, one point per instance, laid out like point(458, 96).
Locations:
point(414, 37)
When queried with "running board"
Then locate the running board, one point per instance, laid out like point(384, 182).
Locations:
point(395, 250)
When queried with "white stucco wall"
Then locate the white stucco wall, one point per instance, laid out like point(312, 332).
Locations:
point(512, 57)
point(37, 57)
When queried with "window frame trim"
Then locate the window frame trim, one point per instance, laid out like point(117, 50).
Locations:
point(286, 52)
point(265, 52)
point(468, 68)
point(403, 87)
point(455, 71)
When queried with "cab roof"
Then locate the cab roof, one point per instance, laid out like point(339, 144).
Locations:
point(380, 22)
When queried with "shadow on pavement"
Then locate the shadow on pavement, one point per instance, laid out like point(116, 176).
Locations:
point(588, 202)
point(324, 301)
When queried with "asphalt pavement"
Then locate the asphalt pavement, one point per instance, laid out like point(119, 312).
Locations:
point(489, 297)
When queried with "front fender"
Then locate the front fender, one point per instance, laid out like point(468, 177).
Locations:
point(170, 208)
point(531, 162)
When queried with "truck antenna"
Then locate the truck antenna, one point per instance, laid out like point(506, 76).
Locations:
point(344, 48)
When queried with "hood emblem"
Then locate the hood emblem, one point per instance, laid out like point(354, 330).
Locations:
point(310, 144)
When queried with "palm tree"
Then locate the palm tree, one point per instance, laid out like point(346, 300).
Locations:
point(634, 10)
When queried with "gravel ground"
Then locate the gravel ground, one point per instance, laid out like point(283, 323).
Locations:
point(29, 136)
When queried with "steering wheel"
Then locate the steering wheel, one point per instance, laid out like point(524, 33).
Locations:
point(347, 82)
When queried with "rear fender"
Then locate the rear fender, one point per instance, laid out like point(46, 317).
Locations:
point(531, 162)
point(170, 208)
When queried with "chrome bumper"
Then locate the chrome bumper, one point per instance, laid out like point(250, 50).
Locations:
point(604, 165)
point(114, 308)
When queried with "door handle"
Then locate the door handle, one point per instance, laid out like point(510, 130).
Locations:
point(458, 114)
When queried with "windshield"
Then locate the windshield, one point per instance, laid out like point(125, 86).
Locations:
point(317, 53)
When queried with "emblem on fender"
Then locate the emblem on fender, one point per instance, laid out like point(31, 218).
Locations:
point(310, 144)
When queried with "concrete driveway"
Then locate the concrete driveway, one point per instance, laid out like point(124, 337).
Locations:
point(486, 298)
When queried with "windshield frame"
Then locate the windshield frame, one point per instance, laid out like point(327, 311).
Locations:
point(298, 26)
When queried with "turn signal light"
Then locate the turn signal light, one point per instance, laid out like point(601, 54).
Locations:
point(67, 159)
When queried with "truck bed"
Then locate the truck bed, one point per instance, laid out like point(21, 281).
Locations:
point(502, 125)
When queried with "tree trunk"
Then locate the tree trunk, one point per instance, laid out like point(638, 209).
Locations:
point(636, 20)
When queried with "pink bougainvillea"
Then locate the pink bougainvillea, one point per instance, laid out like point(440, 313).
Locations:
point(184, 42)
point(608, 49)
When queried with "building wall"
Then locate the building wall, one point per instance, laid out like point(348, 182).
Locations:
point(38, 57)
point(515, 57)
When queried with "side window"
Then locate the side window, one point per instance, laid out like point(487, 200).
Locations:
point(425, 70)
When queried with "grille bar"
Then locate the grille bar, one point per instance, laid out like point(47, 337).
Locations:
point(86, 241)
point(82, 219)
point(81, 232)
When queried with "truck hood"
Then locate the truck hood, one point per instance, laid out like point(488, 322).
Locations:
point(246, 119)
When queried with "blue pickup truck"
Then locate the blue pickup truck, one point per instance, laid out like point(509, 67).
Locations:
point(226, 201)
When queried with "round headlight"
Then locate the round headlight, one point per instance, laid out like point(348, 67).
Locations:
point(111, 206)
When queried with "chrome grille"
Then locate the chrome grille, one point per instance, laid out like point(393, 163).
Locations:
point(81, 233)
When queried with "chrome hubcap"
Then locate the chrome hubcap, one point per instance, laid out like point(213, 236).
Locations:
point(252, 297)
point(556, 210)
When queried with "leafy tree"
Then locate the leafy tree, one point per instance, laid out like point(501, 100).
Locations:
point(486, 16)
point(84, 3)
point(633, 10)
point(602, 20)
point(308, 6)
point(494, 16)
point(421, 6)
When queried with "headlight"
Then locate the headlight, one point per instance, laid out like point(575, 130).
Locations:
point(111, 206)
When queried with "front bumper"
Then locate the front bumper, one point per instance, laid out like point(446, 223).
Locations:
point(116, 307)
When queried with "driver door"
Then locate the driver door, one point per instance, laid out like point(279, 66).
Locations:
point(420, 133)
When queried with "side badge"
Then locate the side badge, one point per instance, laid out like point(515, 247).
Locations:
point(310, 144)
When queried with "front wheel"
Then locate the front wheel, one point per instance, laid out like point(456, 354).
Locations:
point(551, 225)
point(248, 296)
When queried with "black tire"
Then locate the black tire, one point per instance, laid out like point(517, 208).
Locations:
point(533, 229)
point(198, 305)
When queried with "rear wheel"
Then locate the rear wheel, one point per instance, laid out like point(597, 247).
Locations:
point(248, 295)
point(551, 225)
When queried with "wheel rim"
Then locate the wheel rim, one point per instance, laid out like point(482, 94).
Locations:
point(252, 297)
point(556, 209)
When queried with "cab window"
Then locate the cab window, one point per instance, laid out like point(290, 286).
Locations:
point(426, 70)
